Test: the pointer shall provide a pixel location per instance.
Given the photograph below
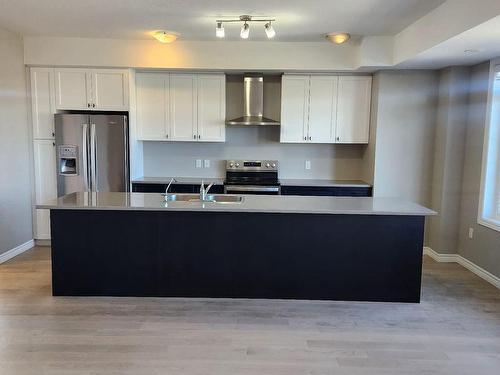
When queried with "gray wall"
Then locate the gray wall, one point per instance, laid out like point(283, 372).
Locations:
point(449, 150)
point(484, 248)
point(404, 124)
point(327, 161)
point(15, 184)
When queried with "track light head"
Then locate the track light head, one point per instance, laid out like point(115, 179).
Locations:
point(269, 30)
point(245, 31)
point(219, 30)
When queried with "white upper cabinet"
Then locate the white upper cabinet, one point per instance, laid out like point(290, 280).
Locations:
point(42, 102)
point(183, 107)
point(211, 107)
point(322, 109)
point(353, 109)
point(73, 89)
point(294, 108)
point(91, 89)
point(152, 92)
point(110, 89)
point(325, 109)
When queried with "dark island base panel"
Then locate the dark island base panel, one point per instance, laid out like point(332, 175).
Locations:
point(236, 255)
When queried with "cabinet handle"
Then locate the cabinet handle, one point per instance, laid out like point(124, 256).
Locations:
point(166, 136)
point(194, 136)
point(338, 138)
point(199, 136)
point(53, 144)
point(53, 134)
point(88, 105)
point(305, 138)
point(309, 138)
point(93, 105)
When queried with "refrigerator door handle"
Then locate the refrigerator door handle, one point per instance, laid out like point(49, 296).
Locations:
point(93, 157)
point(126, 157)
point(85, 130)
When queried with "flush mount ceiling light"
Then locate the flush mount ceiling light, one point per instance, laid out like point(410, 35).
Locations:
point(338, 38)
point(245, 28)
point(164, 36)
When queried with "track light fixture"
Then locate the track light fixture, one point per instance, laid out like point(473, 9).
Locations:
point(245, 28)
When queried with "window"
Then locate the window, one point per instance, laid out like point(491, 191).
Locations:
point(489, 207)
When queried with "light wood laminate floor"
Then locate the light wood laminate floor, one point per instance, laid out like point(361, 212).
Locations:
point(455, 330)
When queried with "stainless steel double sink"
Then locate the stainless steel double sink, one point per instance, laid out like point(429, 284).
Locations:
point(210, 198)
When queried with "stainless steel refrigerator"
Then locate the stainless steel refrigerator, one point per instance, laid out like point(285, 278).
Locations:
point(92, 153)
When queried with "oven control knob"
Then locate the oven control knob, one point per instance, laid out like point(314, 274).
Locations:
point(237, 165)
point(268, 165)
point(231, 165)
point(273, 165)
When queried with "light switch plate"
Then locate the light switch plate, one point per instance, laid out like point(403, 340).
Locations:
point(471, 233)
point(198, 163)
point(206, 163)
point(308, 164)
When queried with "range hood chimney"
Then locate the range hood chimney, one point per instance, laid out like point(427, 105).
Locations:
point(253, 103)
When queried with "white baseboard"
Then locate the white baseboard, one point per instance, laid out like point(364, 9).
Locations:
point(456, 258)
point(16, 251)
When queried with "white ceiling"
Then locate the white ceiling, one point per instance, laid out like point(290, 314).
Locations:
point(296, 20)
point(470, 47)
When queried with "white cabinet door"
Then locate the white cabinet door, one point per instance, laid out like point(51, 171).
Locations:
point(42, 224)
point(42, 102)
point(211, 107)
point(109, 89)
point(294, 108)
point(322, 109)
point(183, 107)
point(152, 106)
point(45, 182)
point(73, 89)
point(353, 109)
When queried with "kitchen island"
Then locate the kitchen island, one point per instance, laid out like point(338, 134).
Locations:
point(327, 248)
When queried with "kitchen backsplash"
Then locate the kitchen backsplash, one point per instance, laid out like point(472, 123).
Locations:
point(178, 159)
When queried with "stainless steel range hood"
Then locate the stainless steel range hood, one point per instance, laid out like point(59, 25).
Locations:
point(253, 103)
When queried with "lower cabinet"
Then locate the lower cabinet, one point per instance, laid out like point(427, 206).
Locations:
point(332, 191)
point(174, 188)
point(327, 191)
point(44, 153)
point(42, 224)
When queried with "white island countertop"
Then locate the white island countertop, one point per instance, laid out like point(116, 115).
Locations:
point(250, 203)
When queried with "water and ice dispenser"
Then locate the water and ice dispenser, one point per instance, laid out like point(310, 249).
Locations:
point(68, 160)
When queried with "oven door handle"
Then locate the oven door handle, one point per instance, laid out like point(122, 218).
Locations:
point(271, 189)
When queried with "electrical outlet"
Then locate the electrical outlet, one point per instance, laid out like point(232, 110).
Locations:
point(471, 233)
point(198, 163)
point(206, 163)
point(308, 164)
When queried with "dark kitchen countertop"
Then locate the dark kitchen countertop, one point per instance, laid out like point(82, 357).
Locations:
point(283, 181)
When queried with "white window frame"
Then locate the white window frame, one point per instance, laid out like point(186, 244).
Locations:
point(489, 199)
